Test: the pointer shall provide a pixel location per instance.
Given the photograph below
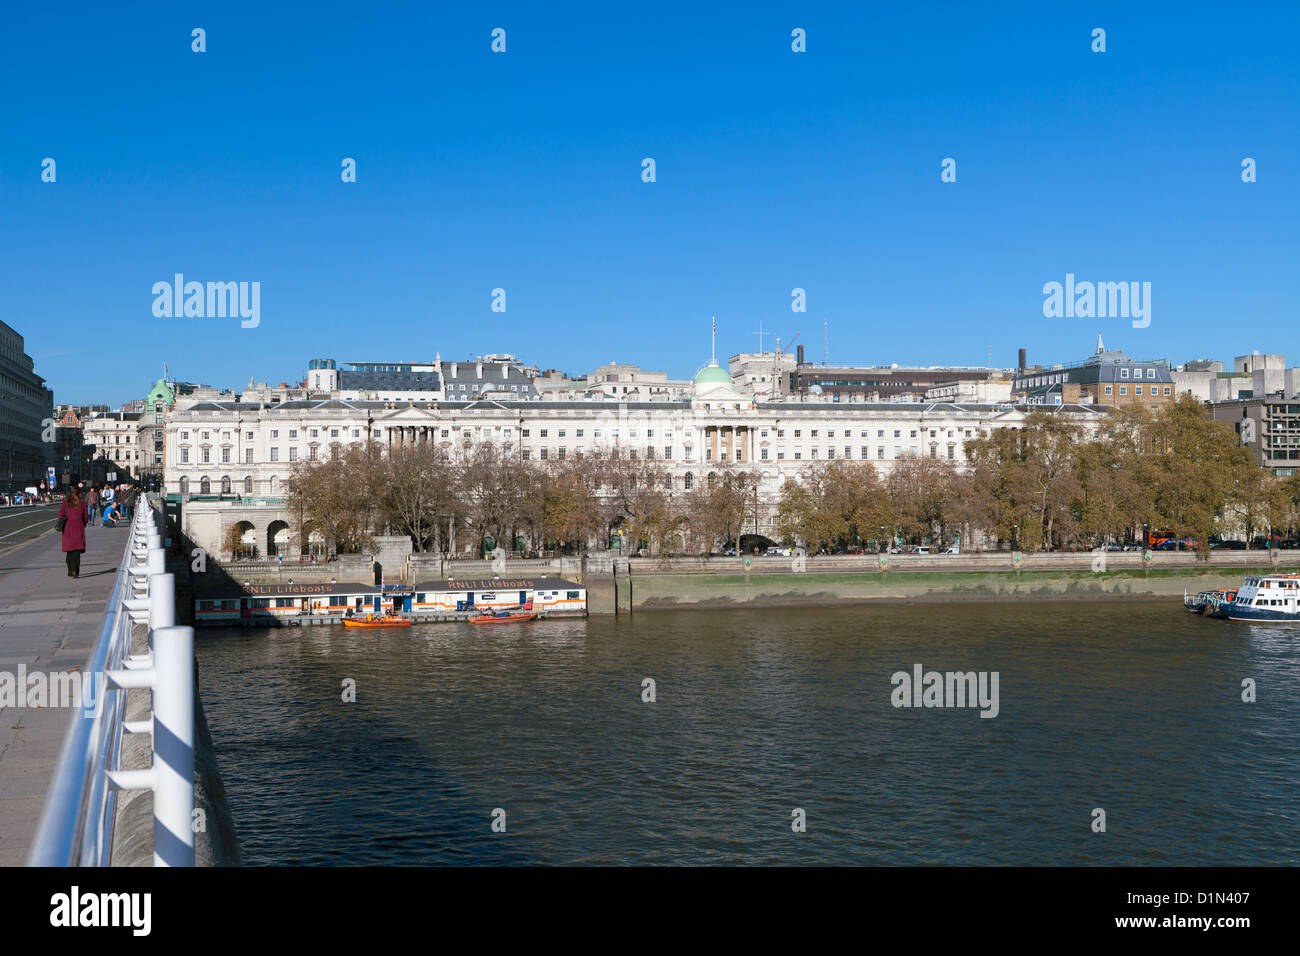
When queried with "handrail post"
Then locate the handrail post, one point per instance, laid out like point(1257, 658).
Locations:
point(173, 746)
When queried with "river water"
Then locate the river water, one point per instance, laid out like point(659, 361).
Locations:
point(1131, 707)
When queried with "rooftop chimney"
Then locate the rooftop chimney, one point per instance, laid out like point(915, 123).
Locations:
point(799, 354)
point(1022, 360)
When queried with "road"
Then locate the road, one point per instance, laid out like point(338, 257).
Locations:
point(22, 523)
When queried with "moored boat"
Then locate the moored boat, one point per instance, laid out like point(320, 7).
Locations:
point(1269, 597)
point(385, 620)
point(504, 617)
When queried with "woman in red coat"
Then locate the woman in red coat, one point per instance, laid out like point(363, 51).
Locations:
point(74, 530)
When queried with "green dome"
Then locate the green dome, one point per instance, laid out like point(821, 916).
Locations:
point(712, 374)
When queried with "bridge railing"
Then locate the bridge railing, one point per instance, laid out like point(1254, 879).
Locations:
point(76, 827)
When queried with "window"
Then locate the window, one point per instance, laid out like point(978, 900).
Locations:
point(275, 433)
point(880, 452)
point(1166, 390)
point(1123, 373)
point(248, 456)
point(275, 454)
point(763, 454)
point(225, 456)
point(293, 453)
point(1151, 373)
point(315, 433)
point(1109, 389)
point(207, 455)
point(1137, 390)
point(185, 456)
point(1123, 389)
point(248, 485)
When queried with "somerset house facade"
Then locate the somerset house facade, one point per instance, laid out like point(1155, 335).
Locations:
point(248, 450)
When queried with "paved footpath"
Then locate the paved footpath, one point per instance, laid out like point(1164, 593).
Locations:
point(48, 621)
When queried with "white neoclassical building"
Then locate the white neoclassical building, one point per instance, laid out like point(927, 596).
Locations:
point(249, 449)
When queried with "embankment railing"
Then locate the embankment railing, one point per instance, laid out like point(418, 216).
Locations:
point(76, 827)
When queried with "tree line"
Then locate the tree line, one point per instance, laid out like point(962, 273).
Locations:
point(1056, 485)
point(490, 497)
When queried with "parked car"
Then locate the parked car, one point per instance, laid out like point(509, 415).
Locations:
point(775, 552)
point(895, 550)
point(921, 550)
point(952, 550)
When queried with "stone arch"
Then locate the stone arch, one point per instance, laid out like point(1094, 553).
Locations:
point(312, 541)
point(242, 540)
point(277, 538)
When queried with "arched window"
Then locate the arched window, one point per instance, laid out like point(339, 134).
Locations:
point(205, 486)
point(248, 484)
point(689, 481)
point(185, 486)
point(225, 485)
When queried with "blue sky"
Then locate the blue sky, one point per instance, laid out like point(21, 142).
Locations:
point(522, 171)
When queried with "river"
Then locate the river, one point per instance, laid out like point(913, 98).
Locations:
point(1133, 707)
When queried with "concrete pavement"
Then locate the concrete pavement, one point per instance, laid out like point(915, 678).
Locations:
point(48, 622)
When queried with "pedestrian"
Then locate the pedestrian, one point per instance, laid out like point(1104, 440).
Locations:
point(73, 517)
point(92, 501)
point(128, 502)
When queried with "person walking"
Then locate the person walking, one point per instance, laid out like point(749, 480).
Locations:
point(73, 517)
point(92, 500)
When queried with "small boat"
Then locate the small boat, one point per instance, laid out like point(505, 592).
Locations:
point(1209, 603)
point(504, 617)
point(383, 620)
point(1269, 597)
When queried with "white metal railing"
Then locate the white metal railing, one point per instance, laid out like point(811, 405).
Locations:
point(76, 827)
